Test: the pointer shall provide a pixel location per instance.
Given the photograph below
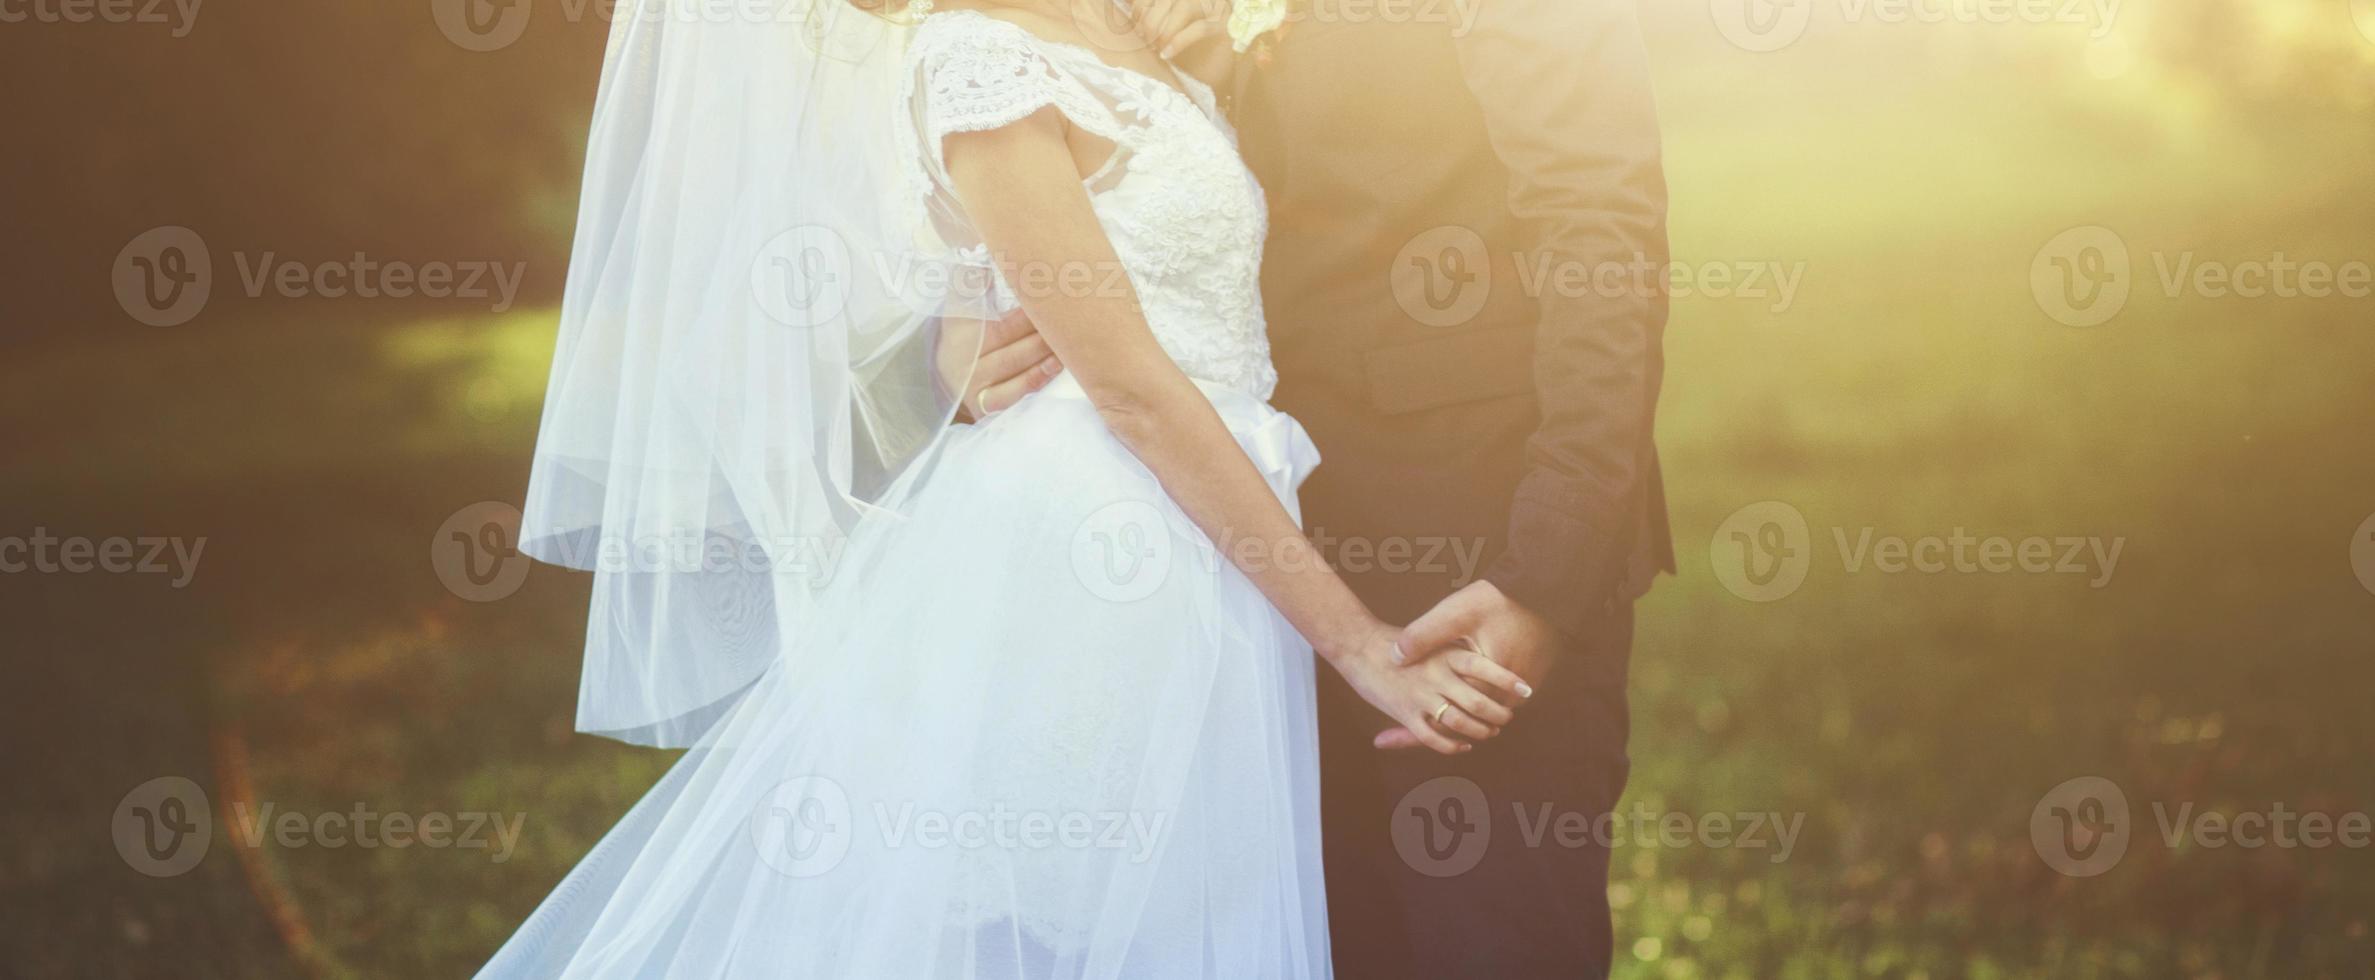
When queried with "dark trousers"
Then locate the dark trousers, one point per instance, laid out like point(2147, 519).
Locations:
point(1430, 870)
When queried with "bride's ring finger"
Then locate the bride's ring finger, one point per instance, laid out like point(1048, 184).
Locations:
point(1449, 719)
point(1465, 695)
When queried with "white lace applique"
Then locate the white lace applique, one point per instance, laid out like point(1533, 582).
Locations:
point(1182, 210)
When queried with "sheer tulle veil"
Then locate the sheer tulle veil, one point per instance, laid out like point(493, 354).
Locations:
point(741, 375)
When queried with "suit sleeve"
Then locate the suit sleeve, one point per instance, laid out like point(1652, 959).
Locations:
point(1564, 88)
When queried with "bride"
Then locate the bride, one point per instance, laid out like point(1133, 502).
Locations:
point(1030, 696)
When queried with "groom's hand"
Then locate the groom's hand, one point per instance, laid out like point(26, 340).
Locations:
point(1014, 361)
point(1479, 621)
point(1182, 32)
point(1173, 26)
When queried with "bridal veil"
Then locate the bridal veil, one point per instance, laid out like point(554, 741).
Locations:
point(741, 371)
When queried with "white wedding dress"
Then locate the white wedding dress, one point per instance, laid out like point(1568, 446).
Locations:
point(1038, 727)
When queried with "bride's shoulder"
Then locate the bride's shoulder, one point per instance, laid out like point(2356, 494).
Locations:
point(977, 69)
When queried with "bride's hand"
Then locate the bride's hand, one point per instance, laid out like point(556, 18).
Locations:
point(1446, 710)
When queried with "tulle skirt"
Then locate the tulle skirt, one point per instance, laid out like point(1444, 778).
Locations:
point(1037, 727)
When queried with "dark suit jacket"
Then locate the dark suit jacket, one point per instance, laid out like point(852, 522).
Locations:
point(1421, 173)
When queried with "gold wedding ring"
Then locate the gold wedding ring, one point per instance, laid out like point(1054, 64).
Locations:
point(1439, 712)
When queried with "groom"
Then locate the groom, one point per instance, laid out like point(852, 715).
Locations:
point(1464, 291)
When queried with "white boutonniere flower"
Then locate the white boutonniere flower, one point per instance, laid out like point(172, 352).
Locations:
point(1250, 20)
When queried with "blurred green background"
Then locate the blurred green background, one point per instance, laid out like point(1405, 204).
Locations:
point(1909, 171)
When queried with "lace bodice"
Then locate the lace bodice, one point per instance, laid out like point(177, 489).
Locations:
point(1182, 210)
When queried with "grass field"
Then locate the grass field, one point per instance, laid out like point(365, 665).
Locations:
point(1912, 387)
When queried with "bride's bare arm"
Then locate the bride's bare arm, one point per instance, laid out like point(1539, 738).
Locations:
point(1020, 187)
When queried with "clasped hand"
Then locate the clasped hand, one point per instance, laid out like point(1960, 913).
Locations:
point(1479, 635)
point(1446, 696)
